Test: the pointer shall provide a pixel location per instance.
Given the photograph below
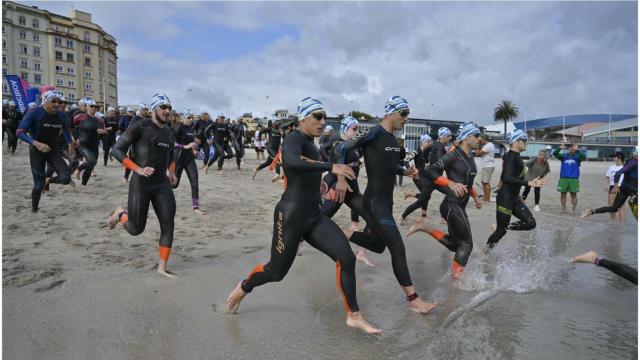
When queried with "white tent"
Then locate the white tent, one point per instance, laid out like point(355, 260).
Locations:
point(499, 127)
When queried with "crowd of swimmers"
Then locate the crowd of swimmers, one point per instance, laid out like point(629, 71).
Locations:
point(64, 143)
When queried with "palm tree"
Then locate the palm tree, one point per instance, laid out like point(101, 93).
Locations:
point(505, 111)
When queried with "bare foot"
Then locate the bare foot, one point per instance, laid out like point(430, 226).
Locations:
point(443, 221)
point(420, 306)
point(588, 257)
point(93, 173)
point(408, 194)
point(220, 172)
point(206, 169)
point(362, 257)
point(234, 299)
point(166, 273)
point(72, 184)
point(77, 174)
point(115, 217)
point(125, 180)
point(420, 225)
point(401, 221)
point(255, 171)
point(275, 178)
point(494, 227)
point(355, 226)
point(586, 213)
point(357, 321)
point(198, 211)
point(348, 232)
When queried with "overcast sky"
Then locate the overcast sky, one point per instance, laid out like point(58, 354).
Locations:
point(554, 58)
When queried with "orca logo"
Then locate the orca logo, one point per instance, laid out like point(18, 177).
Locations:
point(163, 145)
point(389, 148)
point(360, 133)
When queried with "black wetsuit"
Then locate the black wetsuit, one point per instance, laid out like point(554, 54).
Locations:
point(625, 271)
point(460, 168)
point(508, 200)
point(273, 146)
point(382, 160)
point(221, 136)
point(325, 144)
point(238, 142)
point(131, 121)
point(628, 188)
point(46, 128)
point(353, 199)
point(153, 147)
point(109, 139)
point(297, 216)
point(13, 120)
point(186, 160)
point(88, 143)
point(203, 131)
point(420, 160)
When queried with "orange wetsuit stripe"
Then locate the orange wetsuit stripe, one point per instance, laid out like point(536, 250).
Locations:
point(473, 192)
point(457, 269)
point(172, 166)
point(129, 164)
point(123, 218)
point(257, 269)
point(164, 253)
point(344, 297)
point(437, 234)
point(276, 160)
point(441, 181)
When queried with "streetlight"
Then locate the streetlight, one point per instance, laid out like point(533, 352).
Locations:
point(431, 113)
point(188, 97)
point(610, 111)
point(564, 139)
point(525, 119)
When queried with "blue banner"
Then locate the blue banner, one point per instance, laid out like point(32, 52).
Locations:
point(19, 97)
point(33, 95)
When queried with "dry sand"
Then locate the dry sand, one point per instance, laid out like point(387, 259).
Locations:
point(74, 290)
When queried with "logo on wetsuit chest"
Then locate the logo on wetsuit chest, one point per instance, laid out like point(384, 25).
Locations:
point(360, 133)
point(56, 126)
point(280, 243)
point(390, 148)
point(161, 144)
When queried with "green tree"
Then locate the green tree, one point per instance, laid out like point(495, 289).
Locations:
point(362, 116)
point(505, 111)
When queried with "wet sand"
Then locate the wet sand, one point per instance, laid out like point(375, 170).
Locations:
point(74, 290)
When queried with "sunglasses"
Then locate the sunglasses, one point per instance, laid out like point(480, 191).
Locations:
point(404, 113)
point(476, 135)
point(56, 101)
point(93, 106)
point(319, 115)
point(189, 118)
point(165, 107)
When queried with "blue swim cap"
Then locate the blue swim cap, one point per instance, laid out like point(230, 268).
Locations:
point(443, 131)
point(467, 130)
point(346, 123)
point(425, 138)
point(159, 99)
point(307, 106)
point(517, 135)
point(395, 104)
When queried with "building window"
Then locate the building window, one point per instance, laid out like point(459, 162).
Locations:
point(87, 74)
point(58, 41)
point(87, 48)
point(58, 55)
point(87, 86)
point(4, 31)
point(5, 88)
point(24, 76)
point(72, 96)
point(4, 44)
point(24, 50)
point(22, 20)
point(70, 57)
point(4, 60)
point(70, 71)
point(36, 51)
point(58, 69)
point(37, 78)
point(36, 66)
point(87, 61)
point(4, 72)
point(87, 37)
point(72, 84)
point(36, 37)
point(35, 24)
point(23, 35)
point(70, 44)
point(59, 82)
point(24, 64)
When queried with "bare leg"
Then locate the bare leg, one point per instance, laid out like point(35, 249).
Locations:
point(574, 202)
point(357, 321)
point(563, 202)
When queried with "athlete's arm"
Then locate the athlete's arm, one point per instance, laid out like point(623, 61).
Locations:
point(25, 125)
point(628, 166)
point(507, 177)
point(622, 270)
point(65, 129)
point(362, 136)
point(121, 147)
point(294, 160)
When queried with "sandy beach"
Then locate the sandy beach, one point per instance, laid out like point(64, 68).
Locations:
point(72, 289)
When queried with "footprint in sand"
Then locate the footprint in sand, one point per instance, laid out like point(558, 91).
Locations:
point(51, 286)
point(251, 249)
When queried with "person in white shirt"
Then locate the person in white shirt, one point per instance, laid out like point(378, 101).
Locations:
point(486, 150)
point(609, 184)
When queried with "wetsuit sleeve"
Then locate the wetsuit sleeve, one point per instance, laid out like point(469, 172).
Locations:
point(628, 166)
point(293, 159)
point(437, 152)
point(325, 149)
point(121, 147)
point(66, 132)
point(361, 137)
point(25, 125)
point(436, 169)
point(507, 176)
point(619, 269)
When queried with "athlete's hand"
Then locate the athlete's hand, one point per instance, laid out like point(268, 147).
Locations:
point(538, 182)
point(72, 151)
point(616, 189)
point(341, 189)
point(146, 171)
point(459, 189)
point(198, 141)
point(411, 172)
point(102, 131)
point(173, 178)
point(42, 147)
point(323, 188)
point(343, 170)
